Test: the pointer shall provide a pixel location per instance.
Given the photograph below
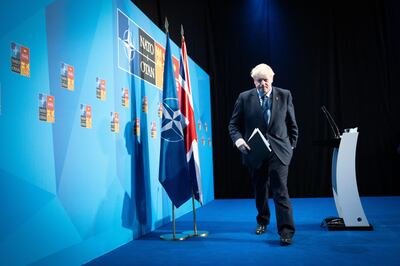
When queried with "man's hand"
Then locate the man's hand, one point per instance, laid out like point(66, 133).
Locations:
point(242, 146)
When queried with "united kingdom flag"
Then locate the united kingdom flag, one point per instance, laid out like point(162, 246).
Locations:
point(186, 107)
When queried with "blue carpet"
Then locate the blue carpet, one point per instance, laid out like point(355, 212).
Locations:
point(232, 241)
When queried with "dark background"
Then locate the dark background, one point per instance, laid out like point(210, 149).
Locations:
point(344, 55)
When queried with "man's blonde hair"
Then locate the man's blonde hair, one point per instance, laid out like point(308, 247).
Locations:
point(261, 70)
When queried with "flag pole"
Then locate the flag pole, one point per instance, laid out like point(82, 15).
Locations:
point(174, 235)
point(195, 232)
point(173, 222)
point(194, 216)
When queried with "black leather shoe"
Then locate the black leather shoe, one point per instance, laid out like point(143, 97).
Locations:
point(260, 229)
point(286, 240)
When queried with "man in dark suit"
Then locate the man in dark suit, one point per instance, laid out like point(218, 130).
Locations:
point(270, 109)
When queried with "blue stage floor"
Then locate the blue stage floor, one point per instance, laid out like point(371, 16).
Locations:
point(232, 241)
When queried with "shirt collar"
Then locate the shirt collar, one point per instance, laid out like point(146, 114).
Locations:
point(261, 93)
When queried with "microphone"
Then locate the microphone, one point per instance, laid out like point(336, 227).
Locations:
point(331, 122)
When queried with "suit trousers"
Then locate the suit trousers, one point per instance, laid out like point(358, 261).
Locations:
point(272, 175)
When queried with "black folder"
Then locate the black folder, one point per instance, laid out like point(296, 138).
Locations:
point(259, 149)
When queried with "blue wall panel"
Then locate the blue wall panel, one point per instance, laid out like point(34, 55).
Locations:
point(70, 193)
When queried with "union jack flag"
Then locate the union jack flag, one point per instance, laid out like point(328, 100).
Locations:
point(189, 132)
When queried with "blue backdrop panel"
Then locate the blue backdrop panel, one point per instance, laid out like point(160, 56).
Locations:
point(72, 193)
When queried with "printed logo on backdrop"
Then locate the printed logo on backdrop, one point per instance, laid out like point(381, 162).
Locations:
point(125, 97)
point(160, 58)
point(127, 44)
point(20, 59)
point(136, 127)
point(46, 108)
point(160, 110)
point(147, 62)
point(100, 89)
point(114, 122)
point(145, 104)
point(86, 116)
point(139, 54)
point(67, 76)
point(153, 131)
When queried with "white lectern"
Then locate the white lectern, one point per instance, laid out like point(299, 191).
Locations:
point(344, 186)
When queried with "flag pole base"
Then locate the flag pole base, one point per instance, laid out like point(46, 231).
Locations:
point(176, 237)
point(196, 234)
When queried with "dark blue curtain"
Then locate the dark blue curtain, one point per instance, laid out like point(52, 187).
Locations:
point(341, 54)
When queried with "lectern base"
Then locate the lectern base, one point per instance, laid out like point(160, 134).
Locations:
point(337, 224)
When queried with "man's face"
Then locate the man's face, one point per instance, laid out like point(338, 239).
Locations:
point(264, 82)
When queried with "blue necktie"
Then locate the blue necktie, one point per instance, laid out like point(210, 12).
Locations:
point(266, 109)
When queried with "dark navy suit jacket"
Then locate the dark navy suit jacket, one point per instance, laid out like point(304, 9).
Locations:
point(282, 131)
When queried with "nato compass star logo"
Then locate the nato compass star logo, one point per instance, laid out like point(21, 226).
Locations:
point(129, 45)
point(171, 130)
point(15, 50)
